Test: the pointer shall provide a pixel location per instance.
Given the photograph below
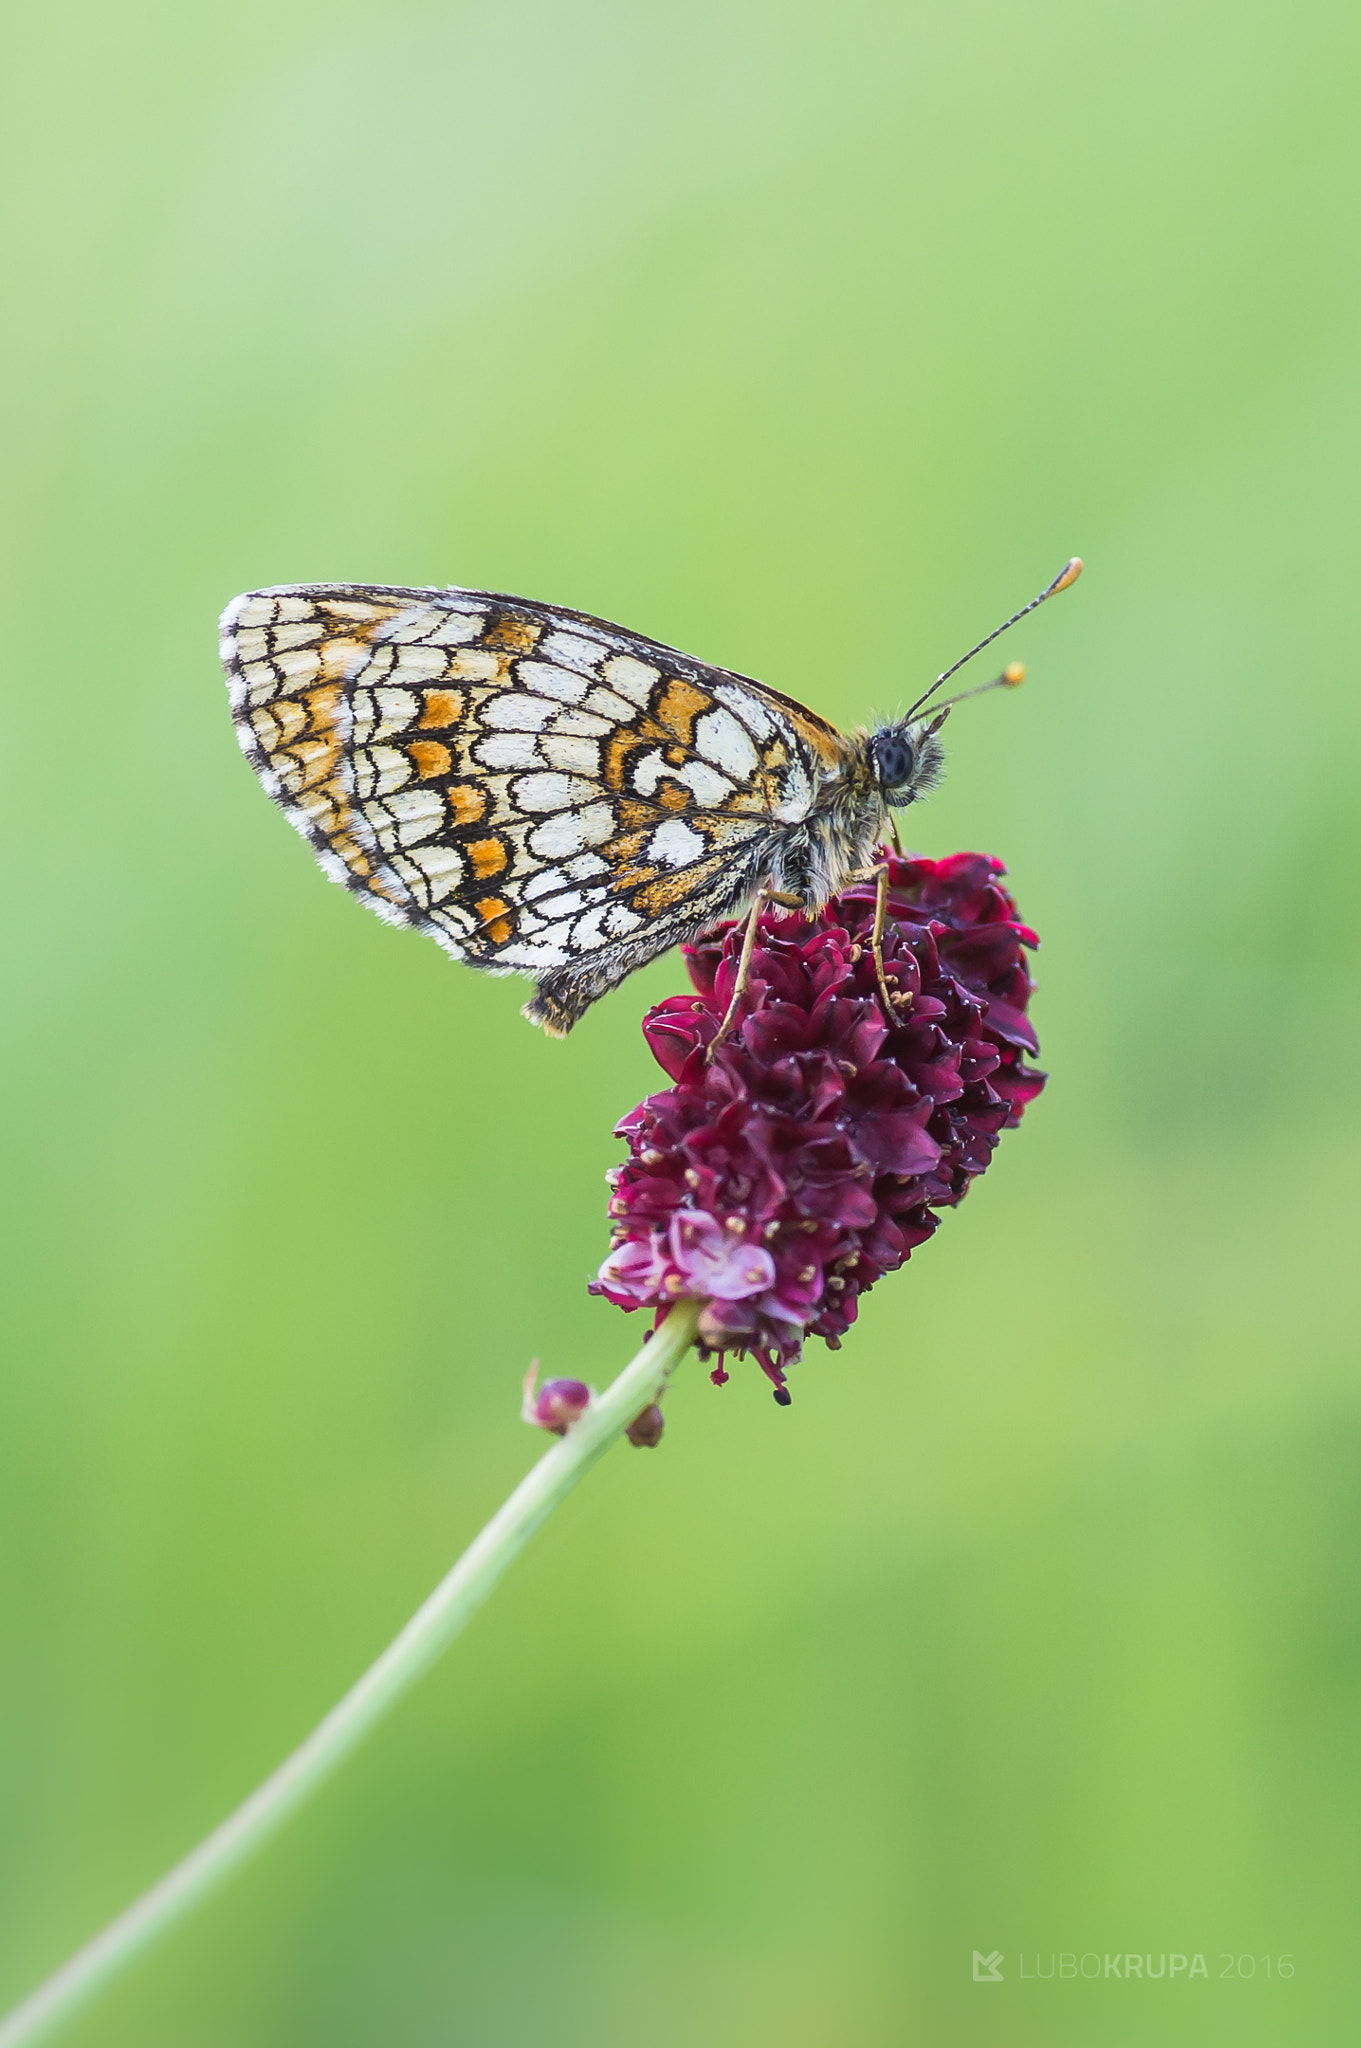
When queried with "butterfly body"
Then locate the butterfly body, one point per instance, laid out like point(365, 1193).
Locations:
point(539, 790)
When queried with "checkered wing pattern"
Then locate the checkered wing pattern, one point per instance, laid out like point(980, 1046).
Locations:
point(539, 790)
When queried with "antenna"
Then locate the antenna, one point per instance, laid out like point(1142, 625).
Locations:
point(1012, 675)
point(1067, 575)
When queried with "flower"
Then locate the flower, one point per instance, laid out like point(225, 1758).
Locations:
point(780, 1178)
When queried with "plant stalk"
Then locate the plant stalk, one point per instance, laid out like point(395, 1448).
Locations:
point(428, 1633)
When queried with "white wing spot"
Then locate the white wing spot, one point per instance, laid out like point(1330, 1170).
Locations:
point(585, 865)
point(720, 738)
point(417, 812)
point(586, 932)
point(553, 682)
point(798, 796)
point(648, 772)
point(709, 786)
point(298, 664)
point(566, 904)
point(583, 722)
point(551, 792)
point(412, 624)
point(458, 627)
point(531, 956)
point(632, 679)
point(570, 752)
point(558, 838)
point(474, 665)
point(557, 934)
point(748, 707)
point(508, 750)
point(396, 710)
point(573, 652)
point(442, 867)
point(421, 664)
point(517, 712)
point(675, 844)
point(386, 770)
point(297, 636)
point(614, 710)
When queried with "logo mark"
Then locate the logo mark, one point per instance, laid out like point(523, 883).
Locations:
point(987, 1969)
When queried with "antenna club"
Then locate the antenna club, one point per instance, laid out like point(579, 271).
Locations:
point(1012, 675)
point(1068, 574)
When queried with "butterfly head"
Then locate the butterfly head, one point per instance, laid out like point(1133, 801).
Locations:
point(907, 759)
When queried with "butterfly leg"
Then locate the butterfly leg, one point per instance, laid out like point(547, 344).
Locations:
point(893, 1002)
point(743, 972)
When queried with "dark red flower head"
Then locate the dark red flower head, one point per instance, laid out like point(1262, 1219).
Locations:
point(781, 1178)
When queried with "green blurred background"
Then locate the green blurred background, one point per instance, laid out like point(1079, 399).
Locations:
point(779, 332)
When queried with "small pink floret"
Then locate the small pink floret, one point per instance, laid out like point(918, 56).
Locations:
point(716, 1264)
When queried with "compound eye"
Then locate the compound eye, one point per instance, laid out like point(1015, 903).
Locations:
point(894, 758)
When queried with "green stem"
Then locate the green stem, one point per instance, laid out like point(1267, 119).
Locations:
point(430, 1630)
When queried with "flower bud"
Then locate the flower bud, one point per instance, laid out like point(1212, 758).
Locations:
point(645, 1430)
point(557, 1405)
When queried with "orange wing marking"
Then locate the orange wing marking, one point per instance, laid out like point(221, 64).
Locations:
point(517, 636)
point(442, 708)
point(682, 704)
point(467, 803)
point(488, 857)
point(496, 919)
point(429, 757)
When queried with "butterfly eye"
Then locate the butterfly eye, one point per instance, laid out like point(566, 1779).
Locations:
point(894, 759)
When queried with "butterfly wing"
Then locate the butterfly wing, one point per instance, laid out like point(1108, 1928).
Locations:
point(539, 790)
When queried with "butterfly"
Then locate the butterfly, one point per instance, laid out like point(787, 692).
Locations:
point(544, 792)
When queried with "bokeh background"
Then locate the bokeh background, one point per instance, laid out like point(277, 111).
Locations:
point(786, 333)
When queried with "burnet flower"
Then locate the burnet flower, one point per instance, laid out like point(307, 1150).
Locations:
point(779, 1178)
